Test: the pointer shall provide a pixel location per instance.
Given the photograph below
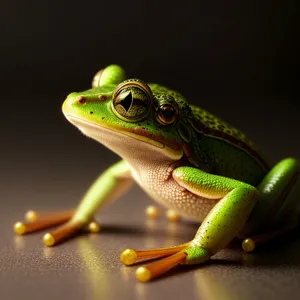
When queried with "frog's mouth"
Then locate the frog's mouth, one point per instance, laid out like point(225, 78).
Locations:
point(113, 138)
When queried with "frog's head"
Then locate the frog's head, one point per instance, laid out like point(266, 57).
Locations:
point(131, 117)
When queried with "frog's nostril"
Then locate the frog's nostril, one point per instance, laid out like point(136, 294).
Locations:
point(81, 100)
point(102, 97)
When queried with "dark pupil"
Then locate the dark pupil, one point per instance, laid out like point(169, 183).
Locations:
point(126, 102)
point(131, 103)
point(168, 112)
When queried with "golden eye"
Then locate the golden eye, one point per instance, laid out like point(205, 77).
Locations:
point(132, 100)
point(167, 114)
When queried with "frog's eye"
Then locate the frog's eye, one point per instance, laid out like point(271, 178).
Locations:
point(132, 100)
point(166, 114)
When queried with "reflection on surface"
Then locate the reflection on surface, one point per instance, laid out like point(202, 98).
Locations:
point(151, 225)
point(209, 286)
point(48, 252)
point(19, 242)
point(172, 235)
point(126, 272)
point(98, 281)
point(141, 291)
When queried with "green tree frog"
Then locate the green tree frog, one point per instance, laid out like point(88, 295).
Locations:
point(183, 157)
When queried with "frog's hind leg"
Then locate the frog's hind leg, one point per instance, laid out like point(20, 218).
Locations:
point(279, 194)
point(232, 203)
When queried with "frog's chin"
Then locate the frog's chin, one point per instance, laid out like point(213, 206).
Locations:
point(122, 142)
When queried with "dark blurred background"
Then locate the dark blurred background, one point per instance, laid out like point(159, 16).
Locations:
point(237, 59)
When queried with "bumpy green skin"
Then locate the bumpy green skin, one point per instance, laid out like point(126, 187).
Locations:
point(212, 160)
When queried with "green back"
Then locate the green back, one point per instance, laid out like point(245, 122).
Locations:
point(226, 150)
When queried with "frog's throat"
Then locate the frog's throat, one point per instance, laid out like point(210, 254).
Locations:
point(118, 140)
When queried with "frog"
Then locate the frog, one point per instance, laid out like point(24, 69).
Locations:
point(187, 160)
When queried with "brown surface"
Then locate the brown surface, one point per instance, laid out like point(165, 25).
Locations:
point(88, 266)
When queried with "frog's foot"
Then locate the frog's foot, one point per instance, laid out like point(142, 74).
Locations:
point(173, 256)
point(36, 221)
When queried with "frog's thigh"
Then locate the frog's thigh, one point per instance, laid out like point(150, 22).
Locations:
point(279, 193)
point(227, 217)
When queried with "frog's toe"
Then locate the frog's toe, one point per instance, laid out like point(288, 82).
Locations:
point(155, 269)
point(152, 212)
point(35, 221)
point(63, 232)
point(128, 254)
point(170, 258)
point(173, 256)
point(94, 227)
point(64, 215)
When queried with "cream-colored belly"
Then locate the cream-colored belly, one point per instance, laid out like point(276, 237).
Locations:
point(159, 184)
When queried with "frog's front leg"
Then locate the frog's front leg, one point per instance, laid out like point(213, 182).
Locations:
point(110, 185)
point(235, 202)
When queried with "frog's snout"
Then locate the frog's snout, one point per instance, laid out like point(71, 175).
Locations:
point(69, 102)
point(65, 106)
